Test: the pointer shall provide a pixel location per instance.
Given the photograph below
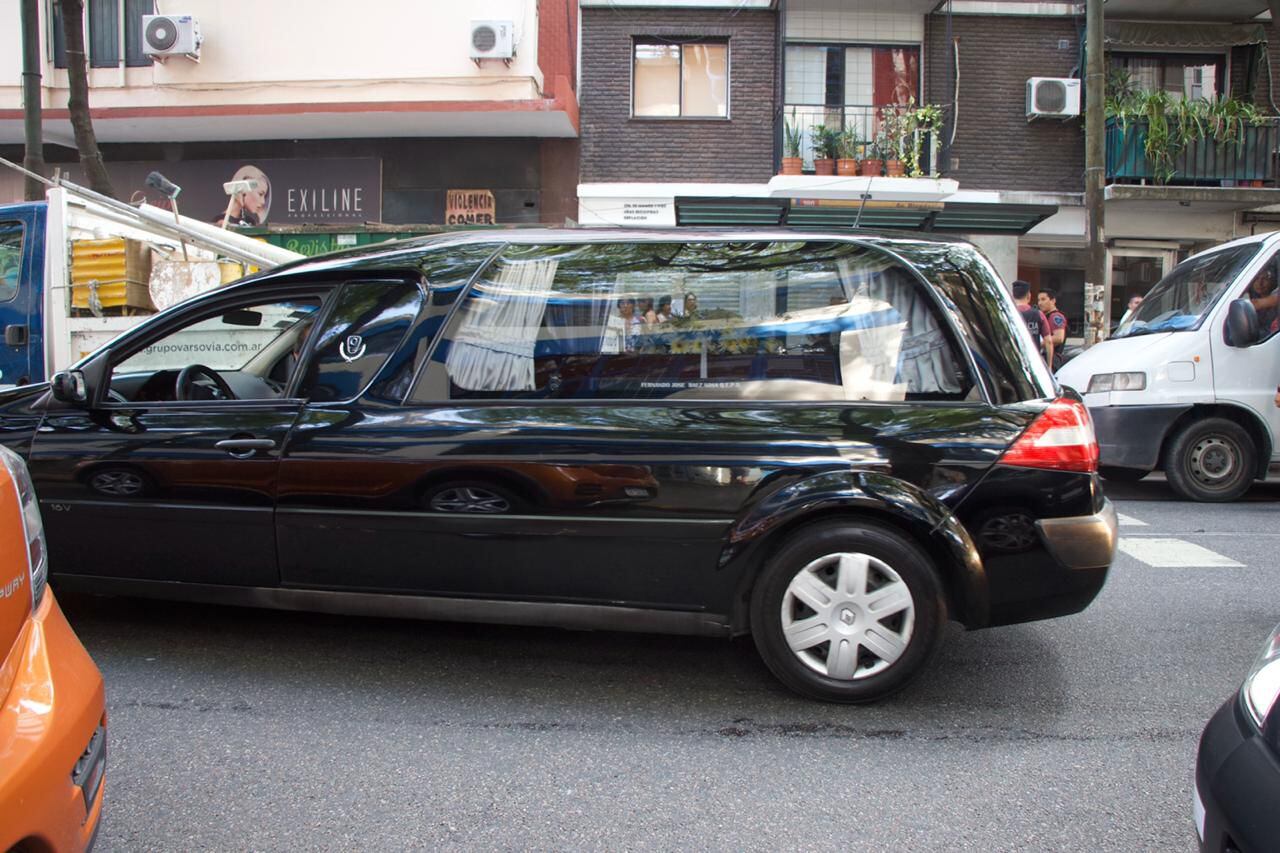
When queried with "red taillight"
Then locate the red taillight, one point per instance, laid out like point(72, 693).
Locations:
point(1061, 438)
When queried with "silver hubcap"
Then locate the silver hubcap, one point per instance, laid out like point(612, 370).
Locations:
point(1213, 461)
point(469, 499)
point(117, 483)
point(848, 616)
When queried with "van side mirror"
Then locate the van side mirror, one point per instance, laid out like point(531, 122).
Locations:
point(1241, 329)
point(69, 386)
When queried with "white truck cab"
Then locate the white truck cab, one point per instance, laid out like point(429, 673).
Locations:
point(1187, 384)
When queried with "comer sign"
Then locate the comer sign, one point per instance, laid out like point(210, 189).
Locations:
point(470, 207)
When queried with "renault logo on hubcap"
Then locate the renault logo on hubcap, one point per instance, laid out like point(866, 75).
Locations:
point(847, 616)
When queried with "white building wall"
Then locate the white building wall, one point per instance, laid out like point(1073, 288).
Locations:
point(272, 52)
point(838, 21)
point(1002, 251)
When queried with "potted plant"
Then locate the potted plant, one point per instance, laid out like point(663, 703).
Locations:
point(872, 165)
point(826, 146)
point(892, 139)
point(848, 146)
point(792, 137)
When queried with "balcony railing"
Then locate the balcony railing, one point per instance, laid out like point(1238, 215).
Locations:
point(863, 120)
point(1247, 162)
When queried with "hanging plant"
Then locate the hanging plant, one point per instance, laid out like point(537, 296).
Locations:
point(1172, 123)
point(926, 118)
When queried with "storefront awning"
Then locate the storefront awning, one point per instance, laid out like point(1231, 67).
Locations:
point(1160, 36)
point(938, 218)
point(810, 201)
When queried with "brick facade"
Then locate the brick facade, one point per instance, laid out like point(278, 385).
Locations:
point(617, 147)
point(995, 147)
point(557, 44)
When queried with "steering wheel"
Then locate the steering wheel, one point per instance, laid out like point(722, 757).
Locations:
point(186, 380)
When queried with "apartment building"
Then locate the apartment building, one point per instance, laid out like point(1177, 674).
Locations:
point(685, 107)
point(345, 115)
point(1213, 192)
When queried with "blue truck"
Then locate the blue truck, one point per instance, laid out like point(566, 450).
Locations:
point(42, 332)
point(22, 276)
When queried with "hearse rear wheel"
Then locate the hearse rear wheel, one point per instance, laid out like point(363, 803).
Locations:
point(847, 611)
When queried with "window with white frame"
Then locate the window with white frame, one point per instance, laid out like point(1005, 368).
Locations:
point(845, 87)
point(673, 79)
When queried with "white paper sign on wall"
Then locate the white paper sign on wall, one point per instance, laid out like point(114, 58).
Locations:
point(628, 212)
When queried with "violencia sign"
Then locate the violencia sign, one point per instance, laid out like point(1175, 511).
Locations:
point(470, 207)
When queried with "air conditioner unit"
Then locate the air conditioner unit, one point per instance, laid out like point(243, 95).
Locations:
point(171, 35)
point(1053, 97)
point(492, 40)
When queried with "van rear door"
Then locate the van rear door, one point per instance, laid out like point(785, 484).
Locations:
point(21, 293)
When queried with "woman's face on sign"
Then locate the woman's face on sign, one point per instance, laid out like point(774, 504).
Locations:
point(255, 200)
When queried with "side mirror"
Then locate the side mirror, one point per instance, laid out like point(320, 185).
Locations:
point(242, 317)
point(1241, 329)
point(69, 387)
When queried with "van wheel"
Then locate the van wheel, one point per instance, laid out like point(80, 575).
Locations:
point(1211, 460)
point(847, 611)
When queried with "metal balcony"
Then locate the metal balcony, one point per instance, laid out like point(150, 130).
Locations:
point(1248, 162)
point(862, 119)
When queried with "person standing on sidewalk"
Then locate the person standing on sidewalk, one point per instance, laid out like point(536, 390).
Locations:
point(1048, 301)
point(1037, 323)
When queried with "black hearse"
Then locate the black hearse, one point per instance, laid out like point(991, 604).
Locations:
point(835, 442)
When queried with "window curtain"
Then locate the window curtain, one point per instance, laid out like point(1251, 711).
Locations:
point(493, 348)
point(924, 359)
point(896, 74)
point(1145, 73)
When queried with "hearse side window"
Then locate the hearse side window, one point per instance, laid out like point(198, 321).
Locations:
point(710, 321)
point(445, 271)
point(250, 349)
point(989, 325)
point(366, 326)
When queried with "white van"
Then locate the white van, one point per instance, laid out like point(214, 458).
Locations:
point(1187, 384)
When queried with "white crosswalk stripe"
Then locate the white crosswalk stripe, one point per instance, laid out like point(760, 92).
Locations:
point(1174, 553)
point(1129, 520)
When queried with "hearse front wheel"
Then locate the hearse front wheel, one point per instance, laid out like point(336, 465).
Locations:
point(847, 611)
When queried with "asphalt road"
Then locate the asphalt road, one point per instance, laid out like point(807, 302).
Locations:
point(238, 729)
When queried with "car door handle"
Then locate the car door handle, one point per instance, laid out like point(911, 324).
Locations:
point(244, 447)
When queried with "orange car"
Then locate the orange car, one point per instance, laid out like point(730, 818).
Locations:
point(53, 722)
